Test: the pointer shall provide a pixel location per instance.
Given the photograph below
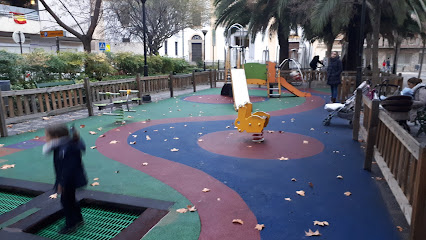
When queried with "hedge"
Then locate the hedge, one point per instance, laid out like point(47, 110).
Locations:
point(41, 66)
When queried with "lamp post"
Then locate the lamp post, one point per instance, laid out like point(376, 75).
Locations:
point(145, 67)
point(204, 33)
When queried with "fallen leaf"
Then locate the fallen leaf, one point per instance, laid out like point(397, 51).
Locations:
point(283, 159)
point(113, 142)
point(312, 129)
point(311, 185)
point(301, 193)
point(269, 131)
point(93, 133)
point(117, 130)
point(145, 164)
point(218, 199)
point(293, 180)
point(53, 196)
point(95, 179)
point(175, 138)
point(46, 118)
point(182, 210)
point(95, 184)
point(9, 126)
point(239, 221)
point(399, 228)
point(228, 127)
point(339, 177)
point(1, 145)
point(100, 129)
point(200, 140)
point(129, 117)
point(200, 133)
point(7, 166)
point(32, 130)
point(310, 233)
point(133, 143)
point(191, 208)
point(165, 140)
point(36, 137)
point(305, 142)
point(93, 147)
point(259, 227)
point(287, 199)
point(148, 138)
point(135, 136)
point(82, 126)
point(206, 190)
point(249, 146)
point(348, 194)
point(185, 125)
point(379, 178)
point(322, 224)
point(172, 127)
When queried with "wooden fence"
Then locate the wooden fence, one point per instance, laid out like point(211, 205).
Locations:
point(21, 105)
point(401, 158)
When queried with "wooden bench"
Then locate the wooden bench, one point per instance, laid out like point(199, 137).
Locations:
point(54, 84)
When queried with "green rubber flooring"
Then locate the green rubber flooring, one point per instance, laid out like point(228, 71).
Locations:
point(10, 201)
point(99, 224)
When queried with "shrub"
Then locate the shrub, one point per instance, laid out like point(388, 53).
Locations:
point(10, 66)
point(180, 65)
point(127, 63)
point(155, 64)
point(74, 62)
point(98, 65)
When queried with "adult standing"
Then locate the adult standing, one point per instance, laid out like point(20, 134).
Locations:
point(388, 66)
point(334, 70)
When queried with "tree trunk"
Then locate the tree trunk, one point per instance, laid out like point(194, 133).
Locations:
point(87, 44)
point(398, 43)
point(329, 48)
point(368, 50)
point(421, 60)
point(353, 39)
point(376, 38)
point(283, 42)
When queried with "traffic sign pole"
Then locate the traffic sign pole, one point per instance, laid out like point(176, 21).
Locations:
point(20, 41)
point(57, 45)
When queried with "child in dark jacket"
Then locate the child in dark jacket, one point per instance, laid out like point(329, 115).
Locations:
point(67, 150)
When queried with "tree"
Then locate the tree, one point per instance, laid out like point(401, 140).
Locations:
point(262, 16)
point(164, 18)
point(85, 21)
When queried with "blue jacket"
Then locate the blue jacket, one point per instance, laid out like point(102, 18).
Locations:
point(69, 168)
point(334, 70)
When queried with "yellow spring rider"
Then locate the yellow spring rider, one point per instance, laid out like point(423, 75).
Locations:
point(252, 122)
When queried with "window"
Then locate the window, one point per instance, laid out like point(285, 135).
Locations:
point(165, 47)
point(176, 48)
point(243, 42)
point(197, 37)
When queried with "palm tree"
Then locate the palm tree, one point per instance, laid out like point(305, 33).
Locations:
point(275, 16)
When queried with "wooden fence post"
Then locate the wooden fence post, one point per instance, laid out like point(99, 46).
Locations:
point(357, 114)
point(193, 81)
point(3, 128)
point(371, 135)
point(88, 96)
point(418, 217)
point(215, 72)
point(171, 84)
point(139, 86)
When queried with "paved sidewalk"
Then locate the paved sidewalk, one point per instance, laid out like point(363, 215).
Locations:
point(38, 123)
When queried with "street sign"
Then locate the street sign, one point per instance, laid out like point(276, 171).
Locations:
point(102, 46)
point(18, 37)
point(49, 34)
point(108, 48)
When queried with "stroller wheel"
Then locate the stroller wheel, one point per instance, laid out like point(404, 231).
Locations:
point(326, 122)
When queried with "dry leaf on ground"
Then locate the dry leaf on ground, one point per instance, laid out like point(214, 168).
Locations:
point(399, 228)
point(283, 159)
point(113, 142)
point(9, 126)
point(175, 138)
point(191, 208)
point(259, 227)
point(293, 180)
point(322, 224)
point(148, 138)
point(269, 131)
point(305, 142)
point(133, 143)
point(1, 145)
point(206, 190)
point(200, 140)
point(46, 118)
point(311, 184)
point(182, 210)
point(101, 136)
point(7, 166)
point(100, 129)
point(174, 150)
point(348, 194)
point(95, 179)
point(145, 164)
point(339, 177)
point(93, 147)
point(312, 129)
point(239, 221)
point(135, 136)
point(36, 137)
point(82, 126)
point(53, 196)
point(93, 133)
point(310, 233)
point(301, 193)
point(94, 184)
point(287, 199)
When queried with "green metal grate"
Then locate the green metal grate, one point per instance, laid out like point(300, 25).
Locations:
point(99, 224)
point(10, 201)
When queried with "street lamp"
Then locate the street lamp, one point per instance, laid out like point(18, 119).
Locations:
point(145, 67)
point(204, 33)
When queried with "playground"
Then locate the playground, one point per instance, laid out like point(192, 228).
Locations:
point(180, 168)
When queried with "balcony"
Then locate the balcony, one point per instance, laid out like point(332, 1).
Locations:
point(8, 25)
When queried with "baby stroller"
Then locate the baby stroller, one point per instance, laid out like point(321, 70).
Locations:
point(344, 110)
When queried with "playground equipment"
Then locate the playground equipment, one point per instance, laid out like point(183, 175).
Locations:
point(119, 104)
point(251, 122)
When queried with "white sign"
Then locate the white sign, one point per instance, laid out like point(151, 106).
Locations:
point(18, 37)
